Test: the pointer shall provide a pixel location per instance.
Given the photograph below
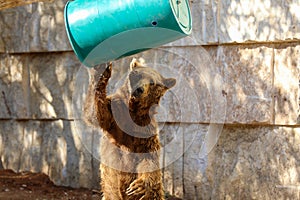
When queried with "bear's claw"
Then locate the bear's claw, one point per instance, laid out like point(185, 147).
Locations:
point(137, 187)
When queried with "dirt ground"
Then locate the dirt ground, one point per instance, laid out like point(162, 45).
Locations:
point(37, 186)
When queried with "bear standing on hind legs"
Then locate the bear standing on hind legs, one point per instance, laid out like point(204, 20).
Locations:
point(130, 145)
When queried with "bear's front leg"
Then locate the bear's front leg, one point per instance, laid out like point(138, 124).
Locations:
point(102, 103)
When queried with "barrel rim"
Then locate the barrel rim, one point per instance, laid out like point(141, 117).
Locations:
point(187, 30)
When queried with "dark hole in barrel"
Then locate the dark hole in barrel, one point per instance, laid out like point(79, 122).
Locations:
point(154, 23)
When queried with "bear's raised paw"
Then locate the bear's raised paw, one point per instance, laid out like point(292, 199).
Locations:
point(107, 72)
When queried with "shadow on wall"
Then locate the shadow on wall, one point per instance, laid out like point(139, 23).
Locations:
point(42, 137)
point(52, 88)
point(38, 27)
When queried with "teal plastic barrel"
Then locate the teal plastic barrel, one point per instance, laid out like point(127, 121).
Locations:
point(104, 30)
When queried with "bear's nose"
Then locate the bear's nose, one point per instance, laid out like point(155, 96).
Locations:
point(138, 92)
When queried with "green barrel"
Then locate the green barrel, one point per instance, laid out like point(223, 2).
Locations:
point(104, 30)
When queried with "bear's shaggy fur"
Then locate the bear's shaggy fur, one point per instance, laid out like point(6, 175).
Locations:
point(130, 145)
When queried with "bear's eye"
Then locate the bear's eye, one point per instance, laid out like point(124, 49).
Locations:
point(138, 92)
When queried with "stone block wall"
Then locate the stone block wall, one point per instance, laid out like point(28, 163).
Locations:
point(254, 47)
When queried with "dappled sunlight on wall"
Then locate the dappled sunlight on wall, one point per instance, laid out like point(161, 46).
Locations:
point(247, 74)
point(14, 87)
point(257, 20)
point(35, 28)
point(286, 80)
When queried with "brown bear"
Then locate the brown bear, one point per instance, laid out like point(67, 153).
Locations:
point(130, 145)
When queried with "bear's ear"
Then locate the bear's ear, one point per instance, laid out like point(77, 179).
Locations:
point(137, 63)
point(169, 82)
